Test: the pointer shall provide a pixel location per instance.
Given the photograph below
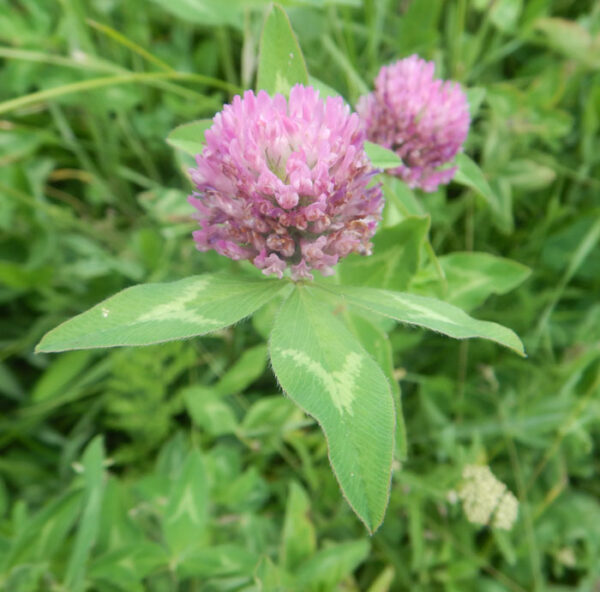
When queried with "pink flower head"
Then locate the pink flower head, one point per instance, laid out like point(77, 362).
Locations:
point(284, 183)
point(423, 119)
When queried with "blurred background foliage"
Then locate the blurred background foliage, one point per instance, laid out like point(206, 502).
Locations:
point(181, 466)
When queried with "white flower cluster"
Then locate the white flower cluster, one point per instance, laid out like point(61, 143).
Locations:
point(482, 496)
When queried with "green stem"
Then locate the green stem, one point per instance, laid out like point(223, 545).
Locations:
point(91, 64)
point(85, 85)
point(126, 42)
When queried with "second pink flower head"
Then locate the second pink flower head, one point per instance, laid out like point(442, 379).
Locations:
point(423, 119)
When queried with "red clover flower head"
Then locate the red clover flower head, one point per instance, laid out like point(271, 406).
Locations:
point(423, 119)
point(285, 183)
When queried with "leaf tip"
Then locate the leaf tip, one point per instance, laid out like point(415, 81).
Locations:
point(41, 347)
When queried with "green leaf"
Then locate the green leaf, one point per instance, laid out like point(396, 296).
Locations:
point(127, 566)
point(299, 540)
point(395, 258)
point(429, 313)
point(325, 370)
point(384, 580)
point(246, 493)
point(470, 278)
point(185, 518)
point(89, 526)
point(571, 39)
point(43, 535)
point(382, 158)
point(504, 14)
point(281, 63)
point(208, 411)
point(218, 560)
point(264, 318)
point(244, 372)
point(189, 137)
point(475, 96)
point(269, 418)
point(60, 375)
point(470, 175)
point(473, 277)
point(324, 89)
point(25, 578)
point(401, 196)
point(377, 343)
point(116, 523)
point(153, 313)
point(9, 384)
point(327, 568)
point(528, 175)
point(205, 12)
point(269, 576)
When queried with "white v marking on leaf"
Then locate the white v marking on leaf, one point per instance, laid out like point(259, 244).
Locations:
point(339, 384)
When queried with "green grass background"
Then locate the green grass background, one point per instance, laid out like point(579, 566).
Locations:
point(181, 466)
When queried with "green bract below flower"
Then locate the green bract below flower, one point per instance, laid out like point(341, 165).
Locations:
point(285, 183)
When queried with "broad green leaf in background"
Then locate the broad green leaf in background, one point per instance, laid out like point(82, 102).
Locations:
point(429, 313)
point(504, 14)
point(153, 313)
point(189, 137)
point(126, 567)
point(281, 63)
point(587, 244)
point(270, 418)
point(89, 524)
point(168, 465)
point(26, 577)
point(395, 258)
point(246, 493)
point(560, 248)
point(244, 372)
point(418, 26)
point(43, 535)
point(384, 581)
point(208, 411)
point(328, 567)
point(324, 369)
point(470, 175)
point(204, 12)
point(117, 526)
point(264, 319)
point(218, 560)
point(324, 89)
point(528, 175)
point(401, 196)
point(475, 97)
point(9, 384)
point(269, 576)
point(382, 158)
point(571, 39)
point(60, 375)
point(338, 59)
point(185, 517)
point(299, 539)
point(472, 277)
